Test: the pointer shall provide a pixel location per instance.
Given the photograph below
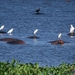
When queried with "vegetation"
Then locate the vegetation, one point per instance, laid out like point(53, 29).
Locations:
point(16, 68)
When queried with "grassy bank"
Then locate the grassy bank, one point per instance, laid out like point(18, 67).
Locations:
point(15, 68)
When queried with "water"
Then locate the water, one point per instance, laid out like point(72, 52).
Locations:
point(56, 17)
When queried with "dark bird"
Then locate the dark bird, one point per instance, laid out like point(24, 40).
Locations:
point(37, 11)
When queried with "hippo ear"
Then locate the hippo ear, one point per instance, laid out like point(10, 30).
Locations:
point(10, 31)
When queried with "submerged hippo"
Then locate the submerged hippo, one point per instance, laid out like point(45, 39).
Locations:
point(12, 41)
point(57, 42)
point(71, 34)
point(7, 39)
point(17, 41)
point(33, 37)
point(3, 32)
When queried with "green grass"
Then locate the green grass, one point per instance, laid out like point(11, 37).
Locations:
point(16, 68)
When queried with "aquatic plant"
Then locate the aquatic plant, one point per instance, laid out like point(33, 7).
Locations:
point(16, 68)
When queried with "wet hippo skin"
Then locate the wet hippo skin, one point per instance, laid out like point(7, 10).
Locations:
point(33, 37)
point(12, 40)
point(57, 42)
point(16, 42)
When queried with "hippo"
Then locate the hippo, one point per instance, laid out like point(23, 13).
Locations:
point(2, 32)
point(7, 39)
point(33, 37)
point(71, 34)
point(12, 41)
point(16, 41)
point(57, 42)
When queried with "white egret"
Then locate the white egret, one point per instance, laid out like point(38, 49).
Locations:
point(72, 29)
point(59, 36)
point(1, 27)
point(35, 31)
point(10, 31)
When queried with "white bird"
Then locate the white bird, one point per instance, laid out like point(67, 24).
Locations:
point(59, 36)
point(1, 27)
point(10, 31)
point(72, 29)
point(35, 31)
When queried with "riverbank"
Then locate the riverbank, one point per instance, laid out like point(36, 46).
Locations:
point(16, 68)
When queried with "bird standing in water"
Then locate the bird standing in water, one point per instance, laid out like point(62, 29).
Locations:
point(37, 11)
point(72, 29)
point(1, 27)
point(35, 31)
point(59, 36)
